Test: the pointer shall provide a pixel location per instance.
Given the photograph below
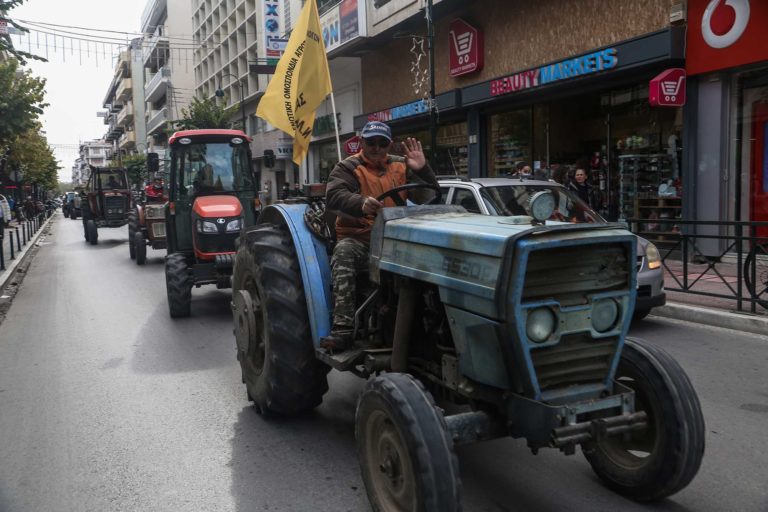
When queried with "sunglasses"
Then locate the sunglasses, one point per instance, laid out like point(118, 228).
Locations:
point(378, 141)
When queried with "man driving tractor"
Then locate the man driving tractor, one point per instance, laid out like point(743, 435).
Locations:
point(353, 185)
point(154, 191)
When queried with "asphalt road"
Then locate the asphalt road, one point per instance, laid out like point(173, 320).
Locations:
point(106, 404)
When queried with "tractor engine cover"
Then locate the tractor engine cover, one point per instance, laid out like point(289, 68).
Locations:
point(216, 224)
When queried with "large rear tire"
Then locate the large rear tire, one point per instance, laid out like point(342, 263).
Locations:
point(133, 227)
point(274, 341)
point(93, 231)
point(663, 459)
point(178, 285)
point(140, 247)
point(404, 448)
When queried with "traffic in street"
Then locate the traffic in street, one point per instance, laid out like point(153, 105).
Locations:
point(106, 403)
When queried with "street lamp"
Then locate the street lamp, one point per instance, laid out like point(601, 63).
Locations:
point(220, 94)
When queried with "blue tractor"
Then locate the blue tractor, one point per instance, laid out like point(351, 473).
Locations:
point(519, 323)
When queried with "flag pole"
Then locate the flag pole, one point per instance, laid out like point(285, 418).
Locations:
point(336, 127)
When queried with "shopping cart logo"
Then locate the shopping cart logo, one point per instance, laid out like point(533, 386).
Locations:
point(668, 89)
point(466, 51)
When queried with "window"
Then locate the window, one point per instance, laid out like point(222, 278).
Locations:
point(464, 197)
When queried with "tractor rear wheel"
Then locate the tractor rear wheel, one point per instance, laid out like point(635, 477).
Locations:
point(274, 341)
point(178, 285)
point(73, 214)
point(140, 247)
point(133, 226)
point(92, 231)
point(404, 448)
point(662, 459)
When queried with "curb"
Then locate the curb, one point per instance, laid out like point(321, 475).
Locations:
point(10, 269)
point(745, 322)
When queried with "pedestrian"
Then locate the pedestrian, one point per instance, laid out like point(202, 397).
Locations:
point(297, 192)
point(5, 210)
point(286, 191)
point(581, 186)
point(353, 185)
point(2, 220)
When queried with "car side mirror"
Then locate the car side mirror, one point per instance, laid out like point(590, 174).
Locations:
point(153, 163)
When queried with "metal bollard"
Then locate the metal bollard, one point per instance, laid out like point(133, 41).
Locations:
point(11, 233)
point(2, 251)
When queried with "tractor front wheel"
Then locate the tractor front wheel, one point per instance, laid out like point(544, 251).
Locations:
point(92, 232)
point(274, 341)
point(140, 247)
point(662, 459)
point(178, 285)
point(133, 226)
point(404, 448)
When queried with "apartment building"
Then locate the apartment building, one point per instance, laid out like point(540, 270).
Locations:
point(168, 67)
point(124, 102)
point(94, 152)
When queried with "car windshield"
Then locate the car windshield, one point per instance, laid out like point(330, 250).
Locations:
point(513, 200)
point(112, 180)
point(207, 168)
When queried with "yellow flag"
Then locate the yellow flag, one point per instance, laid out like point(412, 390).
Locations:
point(300, 83)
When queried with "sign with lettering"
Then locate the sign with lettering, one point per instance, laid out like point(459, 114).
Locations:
point(342, 23)
point(325, 124)
point(407, 110)
point(563, 70)
point(466, 48)
point(668, 89)
point(274, 44)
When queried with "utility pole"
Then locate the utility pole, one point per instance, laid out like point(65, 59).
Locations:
point(432, 103)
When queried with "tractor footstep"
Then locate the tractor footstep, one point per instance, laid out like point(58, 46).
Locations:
point(341, 361)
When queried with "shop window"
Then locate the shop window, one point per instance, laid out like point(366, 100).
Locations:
point(328, 157)
point(452, 149)
point(510, 141)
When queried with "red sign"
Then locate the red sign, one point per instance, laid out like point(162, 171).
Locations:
point(668, 89)
point(725, 33)
point(352, 145)
point(466, 54)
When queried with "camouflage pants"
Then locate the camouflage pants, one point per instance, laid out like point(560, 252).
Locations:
point(350, 257)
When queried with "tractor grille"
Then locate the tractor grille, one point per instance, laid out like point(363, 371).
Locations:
point(158, 230)
point(570, 274)
point(577, 359)
point(114, 207)
point(212, 243)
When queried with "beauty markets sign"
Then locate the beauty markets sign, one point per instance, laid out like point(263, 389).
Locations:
point(394, 113)
point(570, 68)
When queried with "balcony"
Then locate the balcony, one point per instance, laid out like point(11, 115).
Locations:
point(127, 140)
point(157, 85)
point(157, 119)
point(114, 131)
point(155, 53)
point(125, 116)
point(123, 67)
point(124, 90)
point(153, 14)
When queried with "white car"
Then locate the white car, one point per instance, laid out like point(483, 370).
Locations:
point(509, 196)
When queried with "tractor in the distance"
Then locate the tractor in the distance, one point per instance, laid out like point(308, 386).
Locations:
point(212, 196)
point(146, 222)
point(516, 325)
point(105, 201)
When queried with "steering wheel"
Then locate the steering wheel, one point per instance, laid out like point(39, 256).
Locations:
point(394, 193)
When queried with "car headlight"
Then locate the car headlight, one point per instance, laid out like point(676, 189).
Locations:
point(540, 324)
point(234, 225)
point(203, 226)
point(652, 256)
point(605, 314)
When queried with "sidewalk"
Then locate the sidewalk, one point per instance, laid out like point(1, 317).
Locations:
point(11, 265)
point(716, 311)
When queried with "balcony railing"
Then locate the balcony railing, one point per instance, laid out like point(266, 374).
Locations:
point(157, 120)
point(125, 89)
point(156, 43)
point(126, 115)
point(127, 140)
point(156, 87)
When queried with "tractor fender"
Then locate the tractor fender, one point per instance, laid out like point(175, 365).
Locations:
point(313, 260)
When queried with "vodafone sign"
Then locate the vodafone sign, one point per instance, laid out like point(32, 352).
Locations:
point(725, 33)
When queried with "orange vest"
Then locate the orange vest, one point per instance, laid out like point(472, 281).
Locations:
point(373, 182)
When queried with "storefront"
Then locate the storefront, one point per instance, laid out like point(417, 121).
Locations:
point(589, 111)
point(727, 62)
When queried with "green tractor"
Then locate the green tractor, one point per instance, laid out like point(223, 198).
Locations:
point(212, 197)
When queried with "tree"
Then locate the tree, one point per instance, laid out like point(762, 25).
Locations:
point(21, 101)
point(137, 168)
point(205, 113)
point(31, 153)
point(5, 44)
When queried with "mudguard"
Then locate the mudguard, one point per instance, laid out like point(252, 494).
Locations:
point(313, 259)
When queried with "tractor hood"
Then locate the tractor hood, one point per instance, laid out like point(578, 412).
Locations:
point(217, 206)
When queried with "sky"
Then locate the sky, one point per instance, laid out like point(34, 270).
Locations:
point(77, 80)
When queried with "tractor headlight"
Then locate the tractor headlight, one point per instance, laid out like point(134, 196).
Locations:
point(203, 226)
point(540, 324)
point(234, 225)
point(652, 256)
point(605, 314)
point(541, 205)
